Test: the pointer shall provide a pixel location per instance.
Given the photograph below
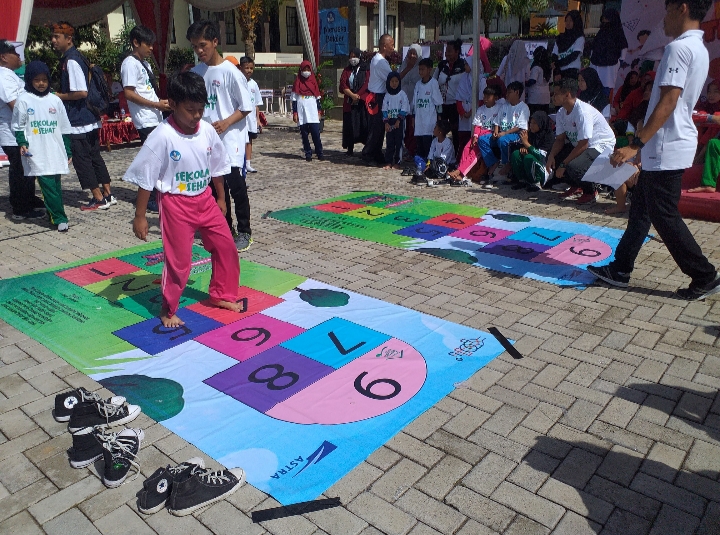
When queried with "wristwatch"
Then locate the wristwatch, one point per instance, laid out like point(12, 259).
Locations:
point(561, 166)
point(637, 142)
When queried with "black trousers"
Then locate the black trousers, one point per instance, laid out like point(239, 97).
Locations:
point(655, 201)
point(394, 145)
point(87, 160)
point(307, 131)
point(145, 132)
point(238, 191)
point(575, 170)
point(22, 188)
point(423, 146)
point(450, 114)
point(372, 151)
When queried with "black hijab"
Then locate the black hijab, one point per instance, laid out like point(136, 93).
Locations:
point(595, 92)
point(390, 90)
point(609, 41)
point(627, 87)
point(36, 68)
point(541, 58)
point(545, 137)
point(566, 39)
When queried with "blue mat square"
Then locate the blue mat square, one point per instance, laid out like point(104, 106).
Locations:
point(424, 231)
point(541, 236)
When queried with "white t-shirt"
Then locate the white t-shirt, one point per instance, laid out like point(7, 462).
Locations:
point(135, 74)
point(255, 100)
point(227, 90)
point(685, 65)
point(487, 117)
point(79, 83)
point(513, 116)
point(426, 99)
point(539, 92)
point(177, 163)
point(43, 120)
point(10, 88)
point(444, 150)
point(577, 46)
point(585, 122)
point(379, 70)
point(395, 106)
point(307, 108)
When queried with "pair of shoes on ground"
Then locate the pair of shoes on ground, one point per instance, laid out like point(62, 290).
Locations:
point(576, 194)
point(187, 487)
point(622, 280)
point(35, 213)
point(89, 419)
point(243, 241)
point(95, 204)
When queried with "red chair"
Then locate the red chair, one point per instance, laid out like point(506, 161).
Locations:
point(705, 206)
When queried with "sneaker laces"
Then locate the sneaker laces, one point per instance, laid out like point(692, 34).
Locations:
point(120, 448)
point(175, 470)
point(108, 410)
point(214, 478)
point(86, 395)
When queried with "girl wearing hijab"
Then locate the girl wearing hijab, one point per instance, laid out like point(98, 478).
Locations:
point(632, 81)
point(409, 81)
point(538, 84)
point(528, 163)
point(592, 90)
point(353, 84)
point(515, 67)
point(607, 48)
point(42, 131)
point(568, 49)
point(305, 106)
point(395, 108)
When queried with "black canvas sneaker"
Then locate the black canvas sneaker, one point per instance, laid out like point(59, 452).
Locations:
point(609, 275)
point(157, 488)
point(85, 449)
point(698, 293)
point(204, 488)
point(119, 451)
point(114, 411)
point(66, 402)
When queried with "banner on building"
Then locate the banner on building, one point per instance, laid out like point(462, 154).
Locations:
point(334, 32)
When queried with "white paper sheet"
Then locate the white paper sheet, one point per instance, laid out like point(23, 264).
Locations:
point(602, 171)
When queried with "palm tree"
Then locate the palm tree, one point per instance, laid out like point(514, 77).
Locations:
point(247, 16)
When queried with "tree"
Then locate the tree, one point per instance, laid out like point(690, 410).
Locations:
point(248, 15)
point(523, 8)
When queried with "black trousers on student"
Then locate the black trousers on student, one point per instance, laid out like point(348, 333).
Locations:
point(450, 114)
point(238, 192)
point(144, 133)
point(575, 170)
point(655, 201)
point(22, 188)
point(423, 146)
point(394, 141)
point(372, 151)
point(307, 131)
point(87, 160)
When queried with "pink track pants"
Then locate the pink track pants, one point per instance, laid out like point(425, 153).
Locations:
point(180, 217)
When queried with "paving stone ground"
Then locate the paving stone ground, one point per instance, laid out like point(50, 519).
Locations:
point(610, 423)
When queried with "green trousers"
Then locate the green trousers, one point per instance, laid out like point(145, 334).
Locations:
point(712, 164)
point(528, 168)
point(52, 195)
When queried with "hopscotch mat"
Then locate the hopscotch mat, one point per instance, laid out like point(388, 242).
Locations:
point(298, 389)
point(547, 250)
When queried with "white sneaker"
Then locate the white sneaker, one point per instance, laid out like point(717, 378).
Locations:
point(63, 227)
point(250, 169)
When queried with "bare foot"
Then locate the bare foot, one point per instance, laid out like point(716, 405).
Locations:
point(616, 209)
point(455, 175)
point(170, 321)
point(702, 189)
point(228, 305)
point(386, 167)
point(505, 169)
point(397, 166)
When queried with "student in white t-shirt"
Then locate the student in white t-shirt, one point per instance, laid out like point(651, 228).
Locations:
point(394, 110)
point(179, 160)
point(668, 141)
point(426, 104)
point(582, 134)
point(538, 84)
point(139, 83)
point(22, 188)
point(569, 45)
point(227, 109)
point(42, 129)
point(247, 66)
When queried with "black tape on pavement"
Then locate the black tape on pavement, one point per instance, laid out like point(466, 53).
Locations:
point(266, 214)
point(514, 353)
point(295, 509)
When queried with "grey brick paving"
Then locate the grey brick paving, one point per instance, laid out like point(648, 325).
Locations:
point(610, 424)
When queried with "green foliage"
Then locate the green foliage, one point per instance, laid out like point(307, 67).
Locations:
point(178, 58)
point(545, 28)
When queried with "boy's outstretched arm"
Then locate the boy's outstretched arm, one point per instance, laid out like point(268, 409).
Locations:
point(219, 182)
point(140, 224)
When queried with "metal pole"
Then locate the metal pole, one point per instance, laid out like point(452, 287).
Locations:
point(305, 32)
point(476, 55)
point(382, 19)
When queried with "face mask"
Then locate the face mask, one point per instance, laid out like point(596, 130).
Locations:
point(354, 62)
point(306, 74)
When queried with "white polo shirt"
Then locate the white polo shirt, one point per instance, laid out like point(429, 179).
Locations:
point(684, 64)
point(379, 70)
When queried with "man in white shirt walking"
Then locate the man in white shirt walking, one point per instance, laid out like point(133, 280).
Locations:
point(85, 137)
point(668, 141)
point(22, 188)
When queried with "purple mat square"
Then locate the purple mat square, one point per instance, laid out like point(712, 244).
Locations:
point(520, 250)
point(268, 378)
point(424, 231)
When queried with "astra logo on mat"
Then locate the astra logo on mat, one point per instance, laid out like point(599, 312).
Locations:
point(175, 156)
point(467, 348)
point(325, 449)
